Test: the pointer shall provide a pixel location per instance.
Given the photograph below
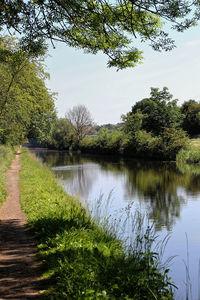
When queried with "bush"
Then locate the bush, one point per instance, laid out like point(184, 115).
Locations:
point(108, 142)
point(173, 140)
point(189, 156)
point(139, 143)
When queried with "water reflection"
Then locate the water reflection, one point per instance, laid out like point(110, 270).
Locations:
point(77, 181)
point(161, 187)
point(167, 192)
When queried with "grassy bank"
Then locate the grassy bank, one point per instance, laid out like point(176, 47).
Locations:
point(191, 155)
point(6, 157)
point(81, 259)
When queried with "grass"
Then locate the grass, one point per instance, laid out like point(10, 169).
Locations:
point(190, 155)
point(81, 259)
point(195, 143)
point(6, 157)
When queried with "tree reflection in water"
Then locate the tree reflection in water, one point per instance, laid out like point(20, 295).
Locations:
point(162, 187)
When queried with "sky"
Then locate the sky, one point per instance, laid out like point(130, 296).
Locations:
point(80, 78)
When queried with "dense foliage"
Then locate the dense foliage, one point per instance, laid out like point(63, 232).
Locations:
point(159, 111)
point(191, 112)
point(26, 105)
point(96, 128)
point(153, 129)
point(81, 259)
point(110, 26)
point(156, 127)
point(62, 136)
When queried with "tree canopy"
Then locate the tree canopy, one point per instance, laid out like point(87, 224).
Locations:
point(80, 117)
point(191, 122)
point(110, 26)
point(26, 105)
point(159, 111)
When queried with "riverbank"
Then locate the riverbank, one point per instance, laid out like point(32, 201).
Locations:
point(190, 155)
point(80, 259)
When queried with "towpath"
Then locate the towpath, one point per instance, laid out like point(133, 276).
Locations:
point(19, 272)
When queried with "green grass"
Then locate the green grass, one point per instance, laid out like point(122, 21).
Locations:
point(6, 157)
point(195, 143)
point(191, 155)
point(81, 260)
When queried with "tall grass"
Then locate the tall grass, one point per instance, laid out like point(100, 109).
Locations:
point(81, 259)
point(6, 156)
point(190, 156)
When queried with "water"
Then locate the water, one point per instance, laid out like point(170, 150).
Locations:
point(113, 188)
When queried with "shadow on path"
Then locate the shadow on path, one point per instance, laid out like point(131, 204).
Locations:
point(19, 276)
point(19, 272)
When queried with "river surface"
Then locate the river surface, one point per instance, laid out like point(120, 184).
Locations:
point(167, 195)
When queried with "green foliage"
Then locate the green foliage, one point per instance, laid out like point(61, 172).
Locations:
point(159, 111)
point(106, 142)
point(191, 122)
point(132, 122)
point(188, 156)
point(26, 107)
point(195, 143)
point(138, 143)
point(81, 259)
point(95, 130)
point(6, 156)
point(173, 140)
point(104, 25)
point(62, 135)
point(152, 128)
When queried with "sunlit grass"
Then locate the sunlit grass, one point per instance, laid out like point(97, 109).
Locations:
point(195, 143)
point(191, 155)
point(81, 259)
point(6, 156)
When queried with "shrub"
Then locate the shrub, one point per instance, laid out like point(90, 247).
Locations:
point(108, 142)
point(173, 140)
point(188, 156)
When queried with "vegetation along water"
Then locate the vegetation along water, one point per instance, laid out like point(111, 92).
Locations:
point(81, 259)
point(113, 189)
point(103, 248)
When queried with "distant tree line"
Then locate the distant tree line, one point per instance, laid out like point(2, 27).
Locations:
point(156, 127)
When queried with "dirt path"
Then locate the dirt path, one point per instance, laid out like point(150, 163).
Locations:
point(19, 277)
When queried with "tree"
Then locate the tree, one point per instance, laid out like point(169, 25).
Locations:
point(191, 122)
point(132, 122)
point(26, 105)
point(159, 111)
point(62, 134)
point(109, 26)
point(81, 119)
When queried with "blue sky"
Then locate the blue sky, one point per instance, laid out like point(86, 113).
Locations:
point(80, 78)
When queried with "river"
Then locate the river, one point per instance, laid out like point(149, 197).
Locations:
point(168, 197)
